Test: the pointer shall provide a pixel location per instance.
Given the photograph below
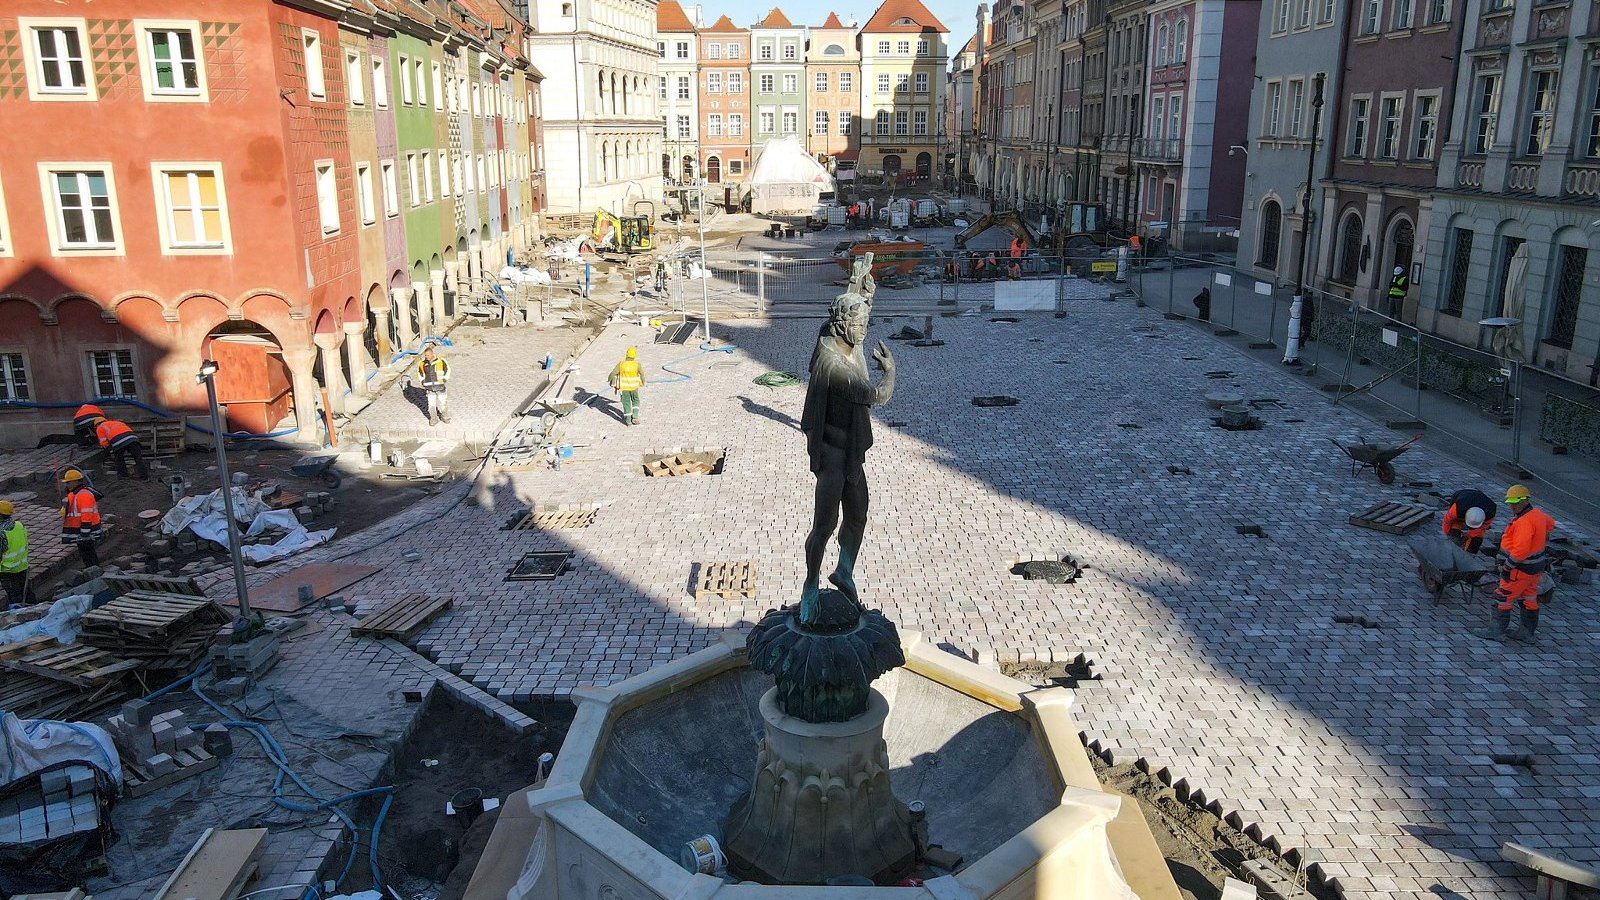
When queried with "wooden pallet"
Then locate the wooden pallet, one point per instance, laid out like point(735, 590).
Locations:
point(399, 618)
point(160, 437)
point(160, 584)
point(553, 518)
point(1393, 518)
point(727, 580)
point(138, 781)
point(76, 664)
point(218, 867)
point(31, 696)
point(672, 466)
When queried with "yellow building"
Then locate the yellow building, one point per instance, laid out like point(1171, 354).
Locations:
point(903, 60)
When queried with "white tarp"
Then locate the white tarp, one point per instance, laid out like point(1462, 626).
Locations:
point(524, 276)
point(61, 622)
point(31, 745)
point(787, 179)
point(206, 518)
point(1018, 296)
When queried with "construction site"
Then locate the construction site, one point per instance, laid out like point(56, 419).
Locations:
point(1140, 574)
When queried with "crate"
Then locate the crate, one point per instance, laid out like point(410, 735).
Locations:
point(727, 580)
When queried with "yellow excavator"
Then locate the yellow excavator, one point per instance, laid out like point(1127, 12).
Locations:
point(621, 236)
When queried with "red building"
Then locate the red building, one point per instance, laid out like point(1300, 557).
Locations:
point(176, 185)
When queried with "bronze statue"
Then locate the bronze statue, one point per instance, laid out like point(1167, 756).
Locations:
point(837, 422)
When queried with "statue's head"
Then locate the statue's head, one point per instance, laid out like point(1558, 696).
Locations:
point(848, 317)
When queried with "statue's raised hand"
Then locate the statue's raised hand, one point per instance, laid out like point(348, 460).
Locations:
point(882, 356)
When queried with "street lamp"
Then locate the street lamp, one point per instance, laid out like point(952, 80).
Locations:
point(1297, 307)
point(207, 377)
point(705, 264)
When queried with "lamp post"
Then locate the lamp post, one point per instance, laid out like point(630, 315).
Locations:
point(705, 265)
point(1291, 354)
point(207, 377)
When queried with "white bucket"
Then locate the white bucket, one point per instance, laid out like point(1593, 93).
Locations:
point(703, 856)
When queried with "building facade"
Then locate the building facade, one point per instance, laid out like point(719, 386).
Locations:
point(1119, 99)
point(1297, 41)
point(602, 123)
point(678, 92)
point(777, 74)
point(833, 63)
point(961, 99)
point(1519, 176)
point(725, 132)
point(903, 62)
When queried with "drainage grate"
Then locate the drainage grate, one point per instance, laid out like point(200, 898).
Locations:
point(996, 400)
point(1269, 403)
point(1250, 424)
point(1129, 425)
point(686, 462)
point(553, 518)
point(541, 565)
point(1519, 760)
point(1065, 570)
point(728, 580)
point(1251, 530)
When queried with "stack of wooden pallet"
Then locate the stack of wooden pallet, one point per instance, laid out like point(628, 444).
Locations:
point(160, 437)
point(168, 632)
point(671, 466)
point(46, 680)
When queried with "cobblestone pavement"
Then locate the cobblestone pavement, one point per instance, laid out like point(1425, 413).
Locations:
point(1366, 748)
point(38, 512)
point(492, 370)
point(23, 465)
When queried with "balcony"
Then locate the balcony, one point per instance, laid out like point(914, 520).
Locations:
point(1583, 180)
point(1158, 149)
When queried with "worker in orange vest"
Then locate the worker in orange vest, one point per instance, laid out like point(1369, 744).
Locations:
point(1468, 518)
point(83, 423)
point(80, 517)
point(123, 443)
point(1522, 563)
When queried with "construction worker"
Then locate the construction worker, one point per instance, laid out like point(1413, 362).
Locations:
point(83, 423)
point(123, 443)
point(626, 379)
point(80, 517)
point(14, 557)
point(1522, 562)
point(1468, 518)
point(1134, 246)
point(1398, 285)
point(435, 375)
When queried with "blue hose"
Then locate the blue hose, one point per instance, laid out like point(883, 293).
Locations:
point(153, 410)
point(685, 376)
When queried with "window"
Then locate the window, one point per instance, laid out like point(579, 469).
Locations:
point(1272, 111)
point(683, 87)
point(1568, 295)
point(734, 51)
point(1455, 298)
point(1174, 117)
point(172, 65)
point(791, 121)
point(438, 88)
point(767, 84)
point(1487, 107)
point(791, 83)
point(1158, 116)
point(1281, 17)
point(444, 173)
point(1329, 7)
point(1350, 249)
point(380, 83)
point(919, 122)
point(1427, 130)
point(364, 197)
point(13, 377)
point(193, 212)
point(713, 51)
point(821, 85)
point(768, 121)
point(353, 75)
point(405, 79)
point(735, 82)
point(483, 173)
point(902, 83)
point(735, 167)
point(683, 126)
point(58, 67)
point(765, 52)
point(683, 49)
point(391, 188)
point(901, 122)
point(1541, 112)
point(311, 42)
point(413, 180)
point(1271, 234)
point(427, 176)
point(883, 82)
point(1389, 133)
point(1371, 16)
point(1305, 14)
point(713, 82)
point(735, 124)
point(922, 48)
point(1180, 43)
point(922, 82)
point(5, 227)
point(419, 69)
point(661, 49)
point(477, 100)
point(1161, 44)
point(846, 121)
point(882, 121)
point(1438, 11)
point(85, 209)
point(789, 50)
point(883, 48)
point(902, 47)
point(847, 84)
point(327, 196)
point(1357, 145)
point(819, 122)
point(1402, 13)
point(113, 374)
point(1297, 105)
point(714, 125)
point(663, 93)
point(1593, 149)
point(471, 172)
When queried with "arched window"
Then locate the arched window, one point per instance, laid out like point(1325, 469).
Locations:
point(1350, 249)
point(1161, 45)
point(1180, 44)
point(605, 161)
point(613, 93)
point(833, 50)
point(1271, 234)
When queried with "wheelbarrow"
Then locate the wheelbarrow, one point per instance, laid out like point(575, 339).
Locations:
point(1447, 571)
point(318, 467)
point(1375, 457)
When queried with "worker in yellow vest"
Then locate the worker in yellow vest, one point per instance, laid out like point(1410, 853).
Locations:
point(627, 379)
point(13, 556)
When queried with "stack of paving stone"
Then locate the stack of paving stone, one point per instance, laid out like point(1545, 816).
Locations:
point(64, 804)
point(250, 660)
point(157, 749)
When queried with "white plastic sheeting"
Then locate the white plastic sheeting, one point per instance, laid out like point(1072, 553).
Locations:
point(32, 745)
point(206, 518)
point(787, 179)
point(524, 276)
point(61, 622)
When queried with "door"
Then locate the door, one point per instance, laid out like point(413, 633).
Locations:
point(713, 169)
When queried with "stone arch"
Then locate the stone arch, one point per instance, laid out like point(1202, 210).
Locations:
point(1348, 247)
point(1269, 234)
point(1399, 245)
point(39, 309)
point(57, 302)
point(169, 311)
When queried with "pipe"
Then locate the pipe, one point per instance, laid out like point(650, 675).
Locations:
point(153, 410)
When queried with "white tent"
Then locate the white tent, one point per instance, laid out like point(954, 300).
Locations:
point(787, 179)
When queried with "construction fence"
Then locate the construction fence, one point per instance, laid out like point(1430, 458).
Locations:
point(1535, 423)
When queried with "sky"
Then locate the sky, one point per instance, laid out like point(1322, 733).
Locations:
point(957, 15)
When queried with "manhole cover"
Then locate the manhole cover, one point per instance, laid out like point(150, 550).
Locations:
point(541, 565)
point(1010, 320)
point(997, 400)
point(1065, 570)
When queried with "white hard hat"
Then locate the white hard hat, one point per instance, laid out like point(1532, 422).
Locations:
point(1474, 517)
point(1399, 270)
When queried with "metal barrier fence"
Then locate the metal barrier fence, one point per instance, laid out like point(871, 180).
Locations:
point(1535, 423)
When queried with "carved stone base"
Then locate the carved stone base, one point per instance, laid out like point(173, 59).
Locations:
point(820, 805)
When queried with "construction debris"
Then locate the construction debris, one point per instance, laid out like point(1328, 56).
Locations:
point(156, 750)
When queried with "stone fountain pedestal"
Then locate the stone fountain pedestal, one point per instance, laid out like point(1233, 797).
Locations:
point(820, 806)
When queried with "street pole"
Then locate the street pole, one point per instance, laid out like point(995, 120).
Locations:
point(705, 264)
point(1291, 346)
point(207, 377)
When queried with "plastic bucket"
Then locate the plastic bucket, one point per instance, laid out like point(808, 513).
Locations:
point(703, 856)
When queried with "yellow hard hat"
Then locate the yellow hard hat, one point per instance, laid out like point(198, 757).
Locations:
point(1517, 493)
point(72, 475)
point(6, 508)
point(99, 419)
point(633, 352)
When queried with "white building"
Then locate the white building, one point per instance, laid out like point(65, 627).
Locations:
point(677, 44)
point(602, 123)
